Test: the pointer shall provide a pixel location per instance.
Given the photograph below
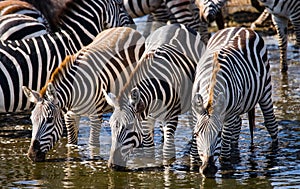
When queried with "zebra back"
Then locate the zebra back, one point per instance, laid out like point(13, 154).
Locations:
point(20, 20)
point(185, 39)
point(29, 62)
point(108, 60)
point(247, 49)
point(85, 19)
point(138, 8)
point(17, 26)
point(23, 8)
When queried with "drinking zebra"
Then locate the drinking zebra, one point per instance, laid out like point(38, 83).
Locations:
point(232, 76)
point(75, 89)
point(20, 20)
point(158, 89)
point(282, 12)
point(20, 59)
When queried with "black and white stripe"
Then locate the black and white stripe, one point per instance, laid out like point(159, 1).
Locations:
point(159, 89)
point(20, 20)
point(16, 26)
point(209, 9)
point(84, 20)
point(282, 12)
point(232, 76)
point(173, 11)
point(29, 62)
point(138, 8)
point(75, 88)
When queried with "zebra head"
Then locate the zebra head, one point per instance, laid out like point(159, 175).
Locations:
point(47, 122)
point(125, 127)
point(208, 9)
point(207, 132)
point(116, 14)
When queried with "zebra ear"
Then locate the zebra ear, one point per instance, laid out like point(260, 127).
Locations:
point(135, 100)
point(110, 98)
point(32, 96)
point(51, 93)
point(197, 104)
point(219, 104)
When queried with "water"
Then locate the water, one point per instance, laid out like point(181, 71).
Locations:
point(259, 166)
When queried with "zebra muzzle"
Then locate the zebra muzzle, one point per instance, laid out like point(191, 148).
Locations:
point(35, 154)
point(208, 168)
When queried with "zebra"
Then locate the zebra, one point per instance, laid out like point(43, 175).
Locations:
point(20, 20)
point(79, 28)
point(138, 8)
point(85, 19)
point(20, 7)
point(159, 89)
point(282, 12)
point(28, 62)
point(211, 10)
point(16, 26)
point(232, 76)
point(176, 11)
point(74, 89)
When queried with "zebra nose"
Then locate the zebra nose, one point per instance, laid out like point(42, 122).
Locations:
point(117, 167)
point(36, 145)
point(34, 152)
point(208, 168)
point(210, 18)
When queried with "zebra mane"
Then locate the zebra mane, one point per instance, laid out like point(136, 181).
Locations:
point(216, 67)
point(146, 57)
point(51, 9)
point(57, 72)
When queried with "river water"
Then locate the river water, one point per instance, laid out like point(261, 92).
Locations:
point(258, 166)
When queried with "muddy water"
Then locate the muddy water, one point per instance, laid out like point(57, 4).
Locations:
point(252, 167)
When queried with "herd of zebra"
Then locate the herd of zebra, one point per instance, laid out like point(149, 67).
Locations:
point(94, 61)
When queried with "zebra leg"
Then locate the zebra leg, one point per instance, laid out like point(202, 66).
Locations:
point(226, 137)
point(194, 156)
point(72, 125)
point(266, 106)
point(281, 25)
point(148, 136)
point(169, 129)
point(236, 130)
point(94, 140)
point(264, 15)
point(95, 121)
point(251, 118)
